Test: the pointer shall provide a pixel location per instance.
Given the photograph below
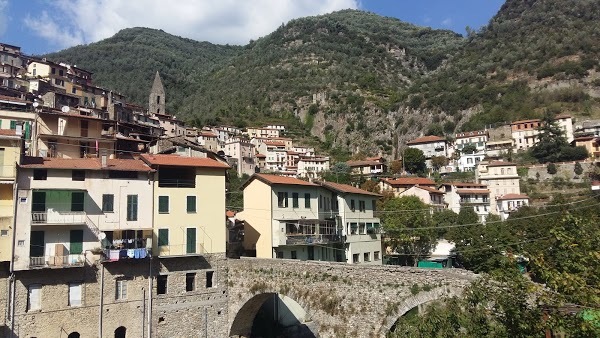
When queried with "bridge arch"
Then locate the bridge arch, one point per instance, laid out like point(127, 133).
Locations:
point(420, 299)
point(252, 305)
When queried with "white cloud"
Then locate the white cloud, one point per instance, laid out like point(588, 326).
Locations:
point(447, 22)
point(223, 21)
point(3, 16)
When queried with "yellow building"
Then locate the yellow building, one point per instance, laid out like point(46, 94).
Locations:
point(10, 149)
point(189, 205)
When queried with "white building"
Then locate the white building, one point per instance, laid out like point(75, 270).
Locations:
point(477, 138)
point(242, 154)
point(70, 209)
point(311, 167)
point(460, 195)
point(430, 196)
point(468, 162)
point(501, 178)
point(510, 203)
point(430, 146)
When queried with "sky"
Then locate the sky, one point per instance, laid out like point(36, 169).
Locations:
point(42, 26)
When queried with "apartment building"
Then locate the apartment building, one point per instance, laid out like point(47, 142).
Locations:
point(510, 203)
point(399, 185)
point(290, 218)
point(16, 113)
point(524, 132)
point(185, 190)
point(430, 196)
point(430, 146)
point(208, 140)
point(458, 195)
point(367, 167)
point(500, 177)
point(477, 138)
point(266, 132)
point(311, 167)
point(10, 154)
point(242, 155)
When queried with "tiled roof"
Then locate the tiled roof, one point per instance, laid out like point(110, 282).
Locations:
point(466, 184)
point(8, 132)
point(431, 190)
point(362, 163)
point(182, 161)
point(409, 181)
point(347, 189)
point(472, 191)
point(499, 163)
point(525, 121)
point(275, 179)
point(274, 143)
point(83, 164)
point(208, 134)
point(261, 156)
point(426, 139)
point(513, 197)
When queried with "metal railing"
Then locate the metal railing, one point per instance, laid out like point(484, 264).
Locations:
point(301, 239)
point(474, 200)
point(176, 183)
point(113, 255)
point(58, 217)
point(57, 261)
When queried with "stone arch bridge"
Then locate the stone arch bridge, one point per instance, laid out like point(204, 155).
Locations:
point(339, 300)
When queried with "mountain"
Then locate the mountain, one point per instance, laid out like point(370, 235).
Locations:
point(128, 61)
point(533, 56)
point(354, 81)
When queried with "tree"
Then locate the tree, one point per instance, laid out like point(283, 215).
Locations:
point(551, 141)
point(414, 161)
point(396, 167)
point(551, 169)
point(370, 185)
point(469, 148)
point(438, 161)
point(435, 129)
point(578, 169)
point(403, 220)
point(443, 219)
point(339, 173)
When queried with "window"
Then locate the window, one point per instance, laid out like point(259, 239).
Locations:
point(132, 207)
point(376, 256)
point(40, 174)
point(77, 201)
point(108, 203)
point(374, 205)
point(355, 258)
point(121, 289)
point(190, 282)
point(361, 206)
point(191, 204)
point(34, 297)
point(367, 256)
point(353, 228)
point(294, 254)
point(78, 175)
point(163, 204)
point(75, 294)
point(209, 279)
point(352, 206)
point(295, 200)
point(307, 201)
point(161, 284)
point(279, 254)
point(13, 125)
point(282, 199)
point(3, 233)
point(163, 237)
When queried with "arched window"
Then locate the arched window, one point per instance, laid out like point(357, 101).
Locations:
point(121, 332)
point(73, 335)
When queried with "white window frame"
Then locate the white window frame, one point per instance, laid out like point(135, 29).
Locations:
point(75, 294)
point(34, 297)
point(121, 289)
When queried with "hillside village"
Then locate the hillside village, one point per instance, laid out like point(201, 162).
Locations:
point(93, 179)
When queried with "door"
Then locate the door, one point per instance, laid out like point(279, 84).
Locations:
point(311, 253)
point(76, 241)
point(191, 240)
point(36, 244)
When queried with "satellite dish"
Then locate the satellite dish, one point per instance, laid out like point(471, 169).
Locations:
point(102, 235)
point(35, 104)
point(65, 109)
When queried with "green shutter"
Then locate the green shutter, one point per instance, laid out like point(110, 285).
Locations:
point(76, 239)
point(108, 202)
point(163, 237)
point(36, 244)
point(77, 201)
point(191, 204)
point(13, 125)
point(191, 240)
point(132, 206)
point(38, 201)
point(27, 131)
point(163, 204)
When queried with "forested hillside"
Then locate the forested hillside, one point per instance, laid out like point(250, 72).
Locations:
point(128, 61)
point(351, 80)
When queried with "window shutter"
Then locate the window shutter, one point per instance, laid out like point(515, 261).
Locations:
point(191, 204)
point(75, 294)
point(163, 237)
point(163, 204)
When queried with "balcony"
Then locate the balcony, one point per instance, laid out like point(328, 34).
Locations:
point(114, 255)
point(57, 261)
point(58, 217)
point(177, 183)
point(474, 201)
point(303, 239)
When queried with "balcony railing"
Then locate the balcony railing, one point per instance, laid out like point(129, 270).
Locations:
point(57, 261)
point(474, 200)
point(113, 255)
point(301, 239)
point(177, 183)
point(58, 217)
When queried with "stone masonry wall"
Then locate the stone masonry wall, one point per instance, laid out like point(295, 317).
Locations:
point(178, 313)
point(340, 299)
point(563, 170)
